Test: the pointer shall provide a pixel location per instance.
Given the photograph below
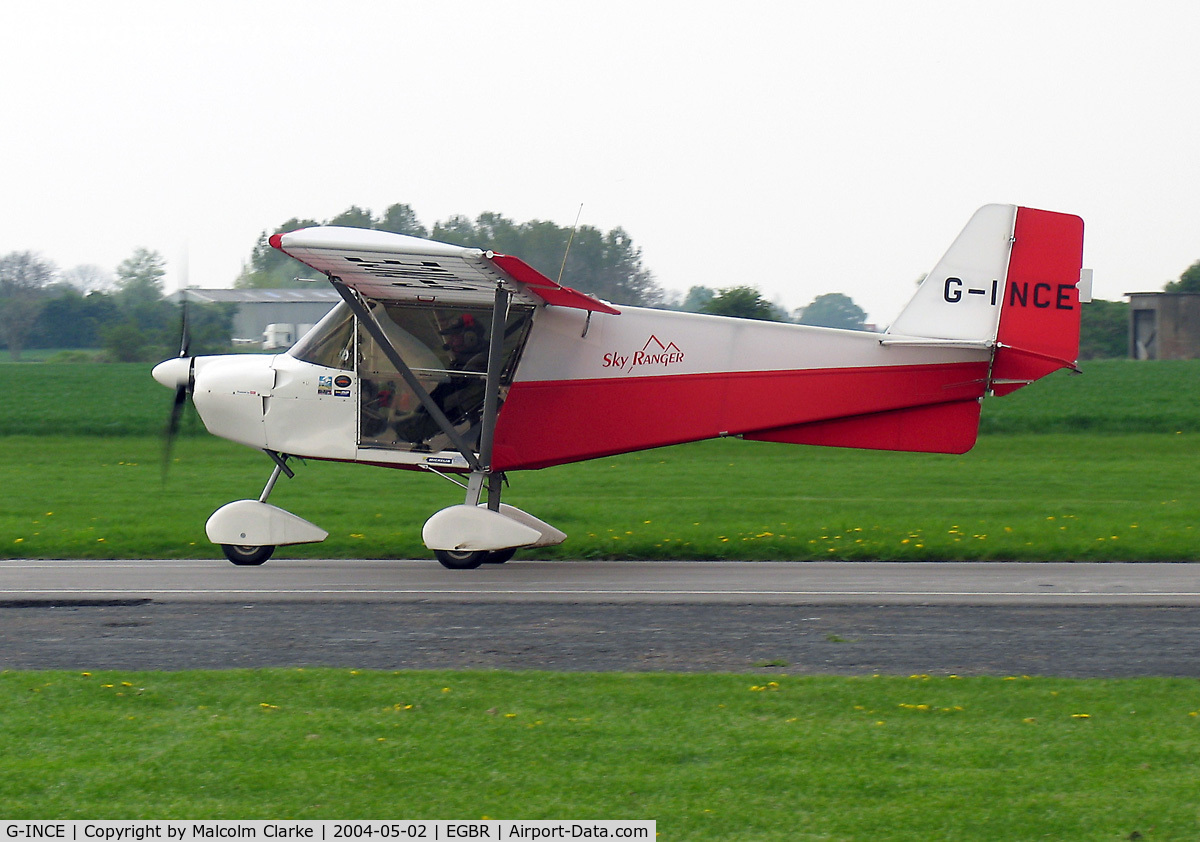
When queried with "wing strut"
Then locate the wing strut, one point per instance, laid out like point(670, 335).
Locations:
point(491, 400)
point(367, 319)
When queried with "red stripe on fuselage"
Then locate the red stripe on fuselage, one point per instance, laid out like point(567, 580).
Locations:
point(553, 422)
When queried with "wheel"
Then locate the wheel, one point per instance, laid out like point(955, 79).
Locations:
point(499, 556)
point(247, 556)
point(461, 559)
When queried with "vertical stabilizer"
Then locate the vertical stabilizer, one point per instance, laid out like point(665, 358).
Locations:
point(1009, 282)
point(960, 298)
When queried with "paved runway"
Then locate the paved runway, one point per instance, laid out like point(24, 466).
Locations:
point(758, 583)
point(857, 618)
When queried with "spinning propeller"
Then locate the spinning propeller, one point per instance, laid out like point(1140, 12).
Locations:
point(180, 373)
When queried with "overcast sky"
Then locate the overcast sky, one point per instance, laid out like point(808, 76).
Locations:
point(802, 147)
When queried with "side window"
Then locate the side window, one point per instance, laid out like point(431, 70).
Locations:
point(331, 342)
point(447, 349)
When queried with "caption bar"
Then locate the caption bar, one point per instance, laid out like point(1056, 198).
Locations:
point(322, 831)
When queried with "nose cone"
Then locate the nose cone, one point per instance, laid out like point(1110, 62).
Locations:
point(173, 373)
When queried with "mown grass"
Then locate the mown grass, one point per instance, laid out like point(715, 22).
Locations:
point(1037, 498)
point(708, 757)
point(1114, 396)
point(83, 399)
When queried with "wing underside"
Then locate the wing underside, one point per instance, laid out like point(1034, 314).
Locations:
point(393, 267)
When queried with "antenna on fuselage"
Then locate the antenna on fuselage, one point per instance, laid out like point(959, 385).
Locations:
point(570, 240)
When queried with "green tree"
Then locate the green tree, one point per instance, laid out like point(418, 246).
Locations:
point(607, 265)
point(833, 309)
point(126, 342)
point(1104, 330)
point(401, 219)
point(743, 302)
point(1189, 281)
point(139, 297)
point(457, 230)
point(696, 299)
point(139, 278)
point(354, 217)
point(24, 279)
point(268, 267)
point(71, 320)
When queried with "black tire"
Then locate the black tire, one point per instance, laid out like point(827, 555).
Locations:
point(499, 556)
point(247, 556)
point(461, 559)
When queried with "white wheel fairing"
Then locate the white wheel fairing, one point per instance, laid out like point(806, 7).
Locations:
point(250, 523)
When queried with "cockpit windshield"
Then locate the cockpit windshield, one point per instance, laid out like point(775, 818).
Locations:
point(446, 347)
point(331, 342)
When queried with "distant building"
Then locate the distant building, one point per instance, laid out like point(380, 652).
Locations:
point(259, 308)
point(1164, 325)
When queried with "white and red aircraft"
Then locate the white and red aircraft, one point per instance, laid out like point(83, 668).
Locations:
point(463, 361)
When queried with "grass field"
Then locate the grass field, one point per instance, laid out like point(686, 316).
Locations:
point(709, 757)
point(1054, 497)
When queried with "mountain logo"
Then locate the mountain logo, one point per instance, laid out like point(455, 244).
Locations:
point(653, 353)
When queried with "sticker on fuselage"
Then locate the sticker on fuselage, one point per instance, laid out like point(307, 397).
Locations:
point(325, 384)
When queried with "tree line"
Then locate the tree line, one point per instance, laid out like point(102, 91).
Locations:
point(604, 264)
point(125, 314)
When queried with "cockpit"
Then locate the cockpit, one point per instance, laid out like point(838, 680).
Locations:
point(445, 346)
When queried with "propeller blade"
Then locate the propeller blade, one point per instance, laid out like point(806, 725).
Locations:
point(173, 420)
point(185, 334)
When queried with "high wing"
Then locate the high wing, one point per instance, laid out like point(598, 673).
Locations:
point(384, 266)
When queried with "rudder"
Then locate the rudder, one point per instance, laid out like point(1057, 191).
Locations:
point(1039, 321)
